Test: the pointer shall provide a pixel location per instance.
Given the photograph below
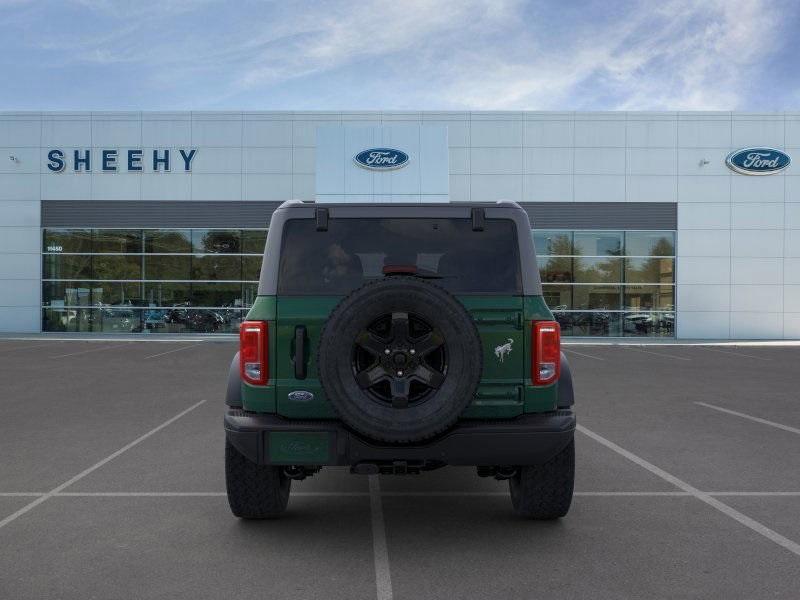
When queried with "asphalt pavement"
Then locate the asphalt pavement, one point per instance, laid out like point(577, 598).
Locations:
point(112, 486)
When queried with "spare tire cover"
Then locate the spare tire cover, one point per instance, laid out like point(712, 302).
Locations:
point(399, 359)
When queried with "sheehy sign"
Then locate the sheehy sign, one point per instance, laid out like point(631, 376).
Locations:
point(134, 160)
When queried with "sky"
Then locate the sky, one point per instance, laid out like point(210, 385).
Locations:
point(400, 55)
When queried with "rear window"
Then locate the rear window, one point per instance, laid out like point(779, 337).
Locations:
point(353, 251)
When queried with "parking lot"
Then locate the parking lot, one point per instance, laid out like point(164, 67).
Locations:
point(112, 486)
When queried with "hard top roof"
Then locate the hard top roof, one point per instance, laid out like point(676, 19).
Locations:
point(295, 204)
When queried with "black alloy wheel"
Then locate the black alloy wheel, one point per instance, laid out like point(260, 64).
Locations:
point(400, 358)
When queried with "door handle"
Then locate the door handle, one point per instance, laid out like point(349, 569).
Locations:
point(300, 352)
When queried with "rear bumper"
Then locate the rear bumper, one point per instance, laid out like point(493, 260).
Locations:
point(526, 440)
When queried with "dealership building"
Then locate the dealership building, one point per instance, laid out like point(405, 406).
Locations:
point(647, 225)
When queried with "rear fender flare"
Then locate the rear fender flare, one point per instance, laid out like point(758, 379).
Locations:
point(566, 395)
point(233, 395)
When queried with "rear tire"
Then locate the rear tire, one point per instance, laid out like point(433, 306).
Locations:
point(254, 491)
point(544, 492)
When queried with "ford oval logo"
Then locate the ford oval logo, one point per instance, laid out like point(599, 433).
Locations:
point(758, 161)
point(381, 159)
point(300, 396)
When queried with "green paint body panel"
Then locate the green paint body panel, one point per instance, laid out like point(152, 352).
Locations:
point(301, 447)
point(265, 308)
point(502, 321)
point(311, 312)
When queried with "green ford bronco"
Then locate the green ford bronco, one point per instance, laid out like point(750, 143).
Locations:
point(399, 338)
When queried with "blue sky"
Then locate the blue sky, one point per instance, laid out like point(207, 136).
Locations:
point(400, 54)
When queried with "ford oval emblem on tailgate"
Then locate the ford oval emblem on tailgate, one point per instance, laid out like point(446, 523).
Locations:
point(301, 396)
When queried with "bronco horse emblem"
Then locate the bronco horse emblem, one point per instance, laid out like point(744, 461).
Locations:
point(503, 350)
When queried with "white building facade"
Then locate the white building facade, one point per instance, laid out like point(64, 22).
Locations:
point(154, 222)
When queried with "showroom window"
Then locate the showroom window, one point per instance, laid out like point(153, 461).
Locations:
point(149, 280)
point(597, 283)
point(609, 283)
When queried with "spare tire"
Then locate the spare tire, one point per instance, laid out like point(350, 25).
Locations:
point(399, 359)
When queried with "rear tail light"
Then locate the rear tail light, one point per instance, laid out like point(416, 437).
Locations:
point(546, 355)
point(253, 352)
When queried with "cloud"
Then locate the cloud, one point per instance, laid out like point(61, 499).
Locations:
point(712, 55)
point(449, 54)
point(685, 56)
point(323, 40)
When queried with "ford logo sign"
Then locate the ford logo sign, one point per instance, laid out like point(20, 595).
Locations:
point(758, 161)
point(300, 396)
point(381, 159)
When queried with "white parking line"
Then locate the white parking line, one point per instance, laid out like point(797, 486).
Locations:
point(383, 494)
point(750, 418)
point(94, 467)
point(755, 494)
point(90, 350)
point(380, 551)
point(194, 345)
point(734, 514)
point(581, 354)
point(631, 494)
point(441, 494)
point(505, 494)
point(191, 494)
point(741, 354)
point(656, 353)
point(140, 494)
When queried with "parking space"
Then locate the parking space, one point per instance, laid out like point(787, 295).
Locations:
point(609, 547)
point(187, 547)
point(652, 409)
point(688, 486)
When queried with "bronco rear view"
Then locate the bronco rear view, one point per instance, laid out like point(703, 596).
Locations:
point(399, 338)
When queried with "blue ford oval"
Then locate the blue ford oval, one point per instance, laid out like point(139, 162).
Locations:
point(758, 161)
point(381, 159)
point(300, 396)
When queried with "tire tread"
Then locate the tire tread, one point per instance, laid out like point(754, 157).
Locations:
point(254, 491)
point(544, 492)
